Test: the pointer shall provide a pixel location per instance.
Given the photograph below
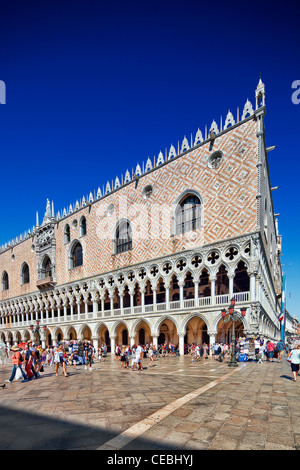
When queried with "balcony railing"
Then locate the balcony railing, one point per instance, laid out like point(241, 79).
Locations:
point(185, 304)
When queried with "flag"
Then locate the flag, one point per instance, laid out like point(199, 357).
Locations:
point(280, 318)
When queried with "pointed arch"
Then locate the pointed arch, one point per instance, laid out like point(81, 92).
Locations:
point(187, 212)
point(222, 281)
point(5, 281)
point(82, 226)
point(25, 274)
point(189, 286)
point(75, 255)
point(241, 281)
point(122, 237)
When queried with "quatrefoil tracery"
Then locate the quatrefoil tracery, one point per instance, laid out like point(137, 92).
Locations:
point(231, 253)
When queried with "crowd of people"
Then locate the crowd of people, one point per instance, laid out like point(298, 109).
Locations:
point(29, 359)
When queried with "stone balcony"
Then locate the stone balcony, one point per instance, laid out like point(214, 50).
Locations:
point(45, 282)
point(185, 305)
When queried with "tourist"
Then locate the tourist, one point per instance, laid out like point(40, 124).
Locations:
point(138, 360)
point(123, 358)
point(17, 360)
point(270, 351)
point(216, 350)
point(29, 359)
point(197, 353)
point(151, 356)
point(74, 358)
point(205, 350)
point(295, 361)
point(29, 369)
point(59, 359)
point(127, 354)
point(280, 346)
point(256, 345)
point(220, 352)
point(38, 360)
point(81, 353)
point(89, 356)
point(117, 353)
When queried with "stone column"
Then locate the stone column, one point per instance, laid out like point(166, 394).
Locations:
point(181, 285)
point(112, 346)
point(102, 304)
point(213, 290)
point(121, 295)
point(95, 344)
point(154, 298)
point(231, 277)
point(65, 312)
point(167, 297)
point(58, 314)
point(143, 299)
point(131, 300)
point(212, 340)
point(196, 284)
point(252, 287)
point(111, 298)
point(181, 344)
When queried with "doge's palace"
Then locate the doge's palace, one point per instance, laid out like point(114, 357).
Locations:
point(156, 254)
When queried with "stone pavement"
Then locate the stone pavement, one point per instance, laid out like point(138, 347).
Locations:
point(175, 405)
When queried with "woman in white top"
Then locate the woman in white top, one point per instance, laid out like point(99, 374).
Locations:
point(295, 361)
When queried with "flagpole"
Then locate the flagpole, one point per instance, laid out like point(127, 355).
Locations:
point(283, 309)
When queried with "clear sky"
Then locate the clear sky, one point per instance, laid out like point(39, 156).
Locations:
point(95, 87)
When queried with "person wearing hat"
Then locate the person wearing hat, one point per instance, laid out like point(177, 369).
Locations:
point(17, 362)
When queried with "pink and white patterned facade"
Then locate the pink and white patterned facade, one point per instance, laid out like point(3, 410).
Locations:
point(169, 283)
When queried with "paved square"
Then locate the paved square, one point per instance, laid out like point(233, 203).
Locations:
point(174, 405)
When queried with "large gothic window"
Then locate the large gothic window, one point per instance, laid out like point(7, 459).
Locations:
point(25, 276)
point(123, 239)
point(76, 258)
point(46, 268)
point(5, 281)
point(188, 214)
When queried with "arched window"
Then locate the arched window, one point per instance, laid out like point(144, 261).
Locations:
point(76, 257)
point(67, 236)
point(188, 214)
point(46, 268)
point(25, 277)
point(241, 282)
point(82, 226)
point(123, 237)
point(5, 281)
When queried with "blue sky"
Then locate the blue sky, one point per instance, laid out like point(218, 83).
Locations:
point(94, 87)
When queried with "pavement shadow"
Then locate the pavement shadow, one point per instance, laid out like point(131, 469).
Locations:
point(21, 430)
point(288, 377)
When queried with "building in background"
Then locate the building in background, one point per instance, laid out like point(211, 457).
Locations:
point(156, 254)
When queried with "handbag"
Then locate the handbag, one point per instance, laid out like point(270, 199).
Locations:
point(289, 358)
point(19, 374)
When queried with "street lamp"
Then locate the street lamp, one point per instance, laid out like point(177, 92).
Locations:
point(232, 316)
